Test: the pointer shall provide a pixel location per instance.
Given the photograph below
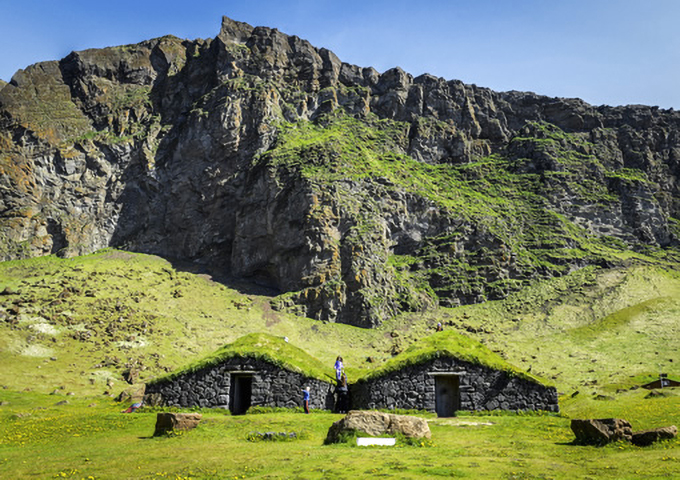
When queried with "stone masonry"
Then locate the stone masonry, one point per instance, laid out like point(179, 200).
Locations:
point(481, 388)
point(272, 386)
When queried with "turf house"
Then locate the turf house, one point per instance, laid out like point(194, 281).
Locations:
point(443, 373)
point(257, 370)
point(447, 372)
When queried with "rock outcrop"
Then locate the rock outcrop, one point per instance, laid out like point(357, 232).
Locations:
point(174, 422)
point(374, 424)
point(353, 194)
point(133, 393)
point(644, 438)
point(601, 431)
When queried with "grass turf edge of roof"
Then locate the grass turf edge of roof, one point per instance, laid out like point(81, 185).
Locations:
point(260, 346)
point(454, 345)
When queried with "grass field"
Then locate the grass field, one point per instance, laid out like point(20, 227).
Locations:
point(41, 440)
point(73, 326)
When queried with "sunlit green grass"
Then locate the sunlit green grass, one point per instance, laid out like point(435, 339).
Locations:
point(597, 332)
point(453, 345)
point(41, 440)
point(275, 350)
point(593, 328)
point(139, 310)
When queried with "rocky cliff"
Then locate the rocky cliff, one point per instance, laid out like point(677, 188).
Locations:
point(352, 193)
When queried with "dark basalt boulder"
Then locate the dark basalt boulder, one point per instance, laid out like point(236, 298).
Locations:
point(645, 438)
point(601, 431)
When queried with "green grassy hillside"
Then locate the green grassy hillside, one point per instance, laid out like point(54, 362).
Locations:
point(79, 323)
point(74, 325)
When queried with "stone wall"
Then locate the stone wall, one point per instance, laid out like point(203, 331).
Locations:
point(412, 387)
point(272, 386)
point(481, 388)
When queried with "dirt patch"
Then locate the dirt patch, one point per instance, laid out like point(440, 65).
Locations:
point(269, 315)
point(37, 351)
point(45, 328)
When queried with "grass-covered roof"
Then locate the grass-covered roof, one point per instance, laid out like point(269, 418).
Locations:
point(449, 344)
point(261, 346)
point(277, 351)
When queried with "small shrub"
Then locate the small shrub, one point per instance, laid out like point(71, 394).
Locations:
point(275, 436)
point(404, 441)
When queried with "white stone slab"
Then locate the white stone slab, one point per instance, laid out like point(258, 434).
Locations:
point(384, 442)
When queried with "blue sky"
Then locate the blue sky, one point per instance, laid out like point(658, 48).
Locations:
point(612, 52)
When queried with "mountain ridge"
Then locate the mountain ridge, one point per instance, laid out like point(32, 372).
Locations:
point(355, 194)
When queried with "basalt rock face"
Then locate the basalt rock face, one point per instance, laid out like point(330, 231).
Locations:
point(355, 194)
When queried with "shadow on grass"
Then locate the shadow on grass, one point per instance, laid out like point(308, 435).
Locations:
point(219, 273)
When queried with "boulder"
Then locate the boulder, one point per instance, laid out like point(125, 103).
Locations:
point(645, 438)
point(657, 394)
point(601, 431)
point(131, 376)
point(169, 422)
point(372, 423)
point(134, 393)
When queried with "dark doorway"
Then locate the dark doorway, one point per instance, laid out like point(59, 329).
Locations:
point(447, 395)
point(240, 392)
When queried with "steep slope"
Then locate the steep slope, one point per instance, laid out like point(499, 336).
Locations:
point(355, 194)
point(80, 323)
